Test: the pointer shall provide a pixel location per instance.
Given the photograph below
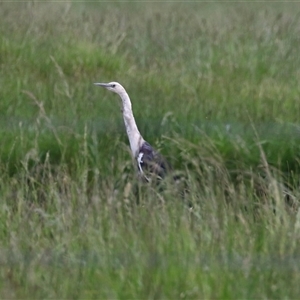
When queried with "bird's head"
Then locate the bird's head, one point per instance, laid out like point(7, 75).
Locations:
point(112, 86)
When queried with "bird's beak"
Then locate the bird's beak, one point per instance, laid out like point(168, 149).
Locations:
point(102, 84)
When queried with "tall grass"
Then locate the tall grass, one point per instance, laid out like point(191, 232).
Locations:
point(214, 88)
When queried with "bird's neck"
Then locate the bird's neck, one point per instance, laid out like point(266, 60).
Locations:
point(134, 136)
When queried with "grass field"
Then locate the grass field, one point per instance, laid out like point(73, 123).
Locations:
point(214, 87)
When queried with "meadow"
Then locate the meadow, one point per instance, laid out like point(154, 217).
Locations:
point(214, 87)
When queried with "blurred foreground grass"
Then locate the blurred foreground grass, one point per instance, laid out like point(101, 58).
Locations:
point(215, 87)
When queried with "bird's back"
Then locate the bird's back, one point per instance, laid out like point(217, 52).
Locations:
point(150, 162)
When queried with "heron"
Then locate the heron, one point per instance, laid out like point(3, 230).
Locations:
point(150, 163)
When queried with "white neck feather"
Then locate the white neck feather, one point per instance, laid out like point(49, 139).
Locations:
point(134, 136)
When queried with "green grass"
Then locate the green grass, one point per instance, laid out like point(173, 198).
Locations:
point(214, 87)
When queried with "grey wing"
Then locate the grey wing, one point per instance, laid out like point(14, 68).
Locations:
point(151, 162)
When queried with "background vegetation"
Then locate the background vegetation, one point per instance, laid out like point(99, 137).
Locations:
point(214, 86)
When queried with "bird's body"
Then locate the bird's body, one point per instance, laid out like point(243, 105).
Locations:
point(149, 161)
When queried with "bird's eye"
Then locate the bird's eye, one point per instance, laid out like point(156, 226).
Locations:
point(113, 85)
